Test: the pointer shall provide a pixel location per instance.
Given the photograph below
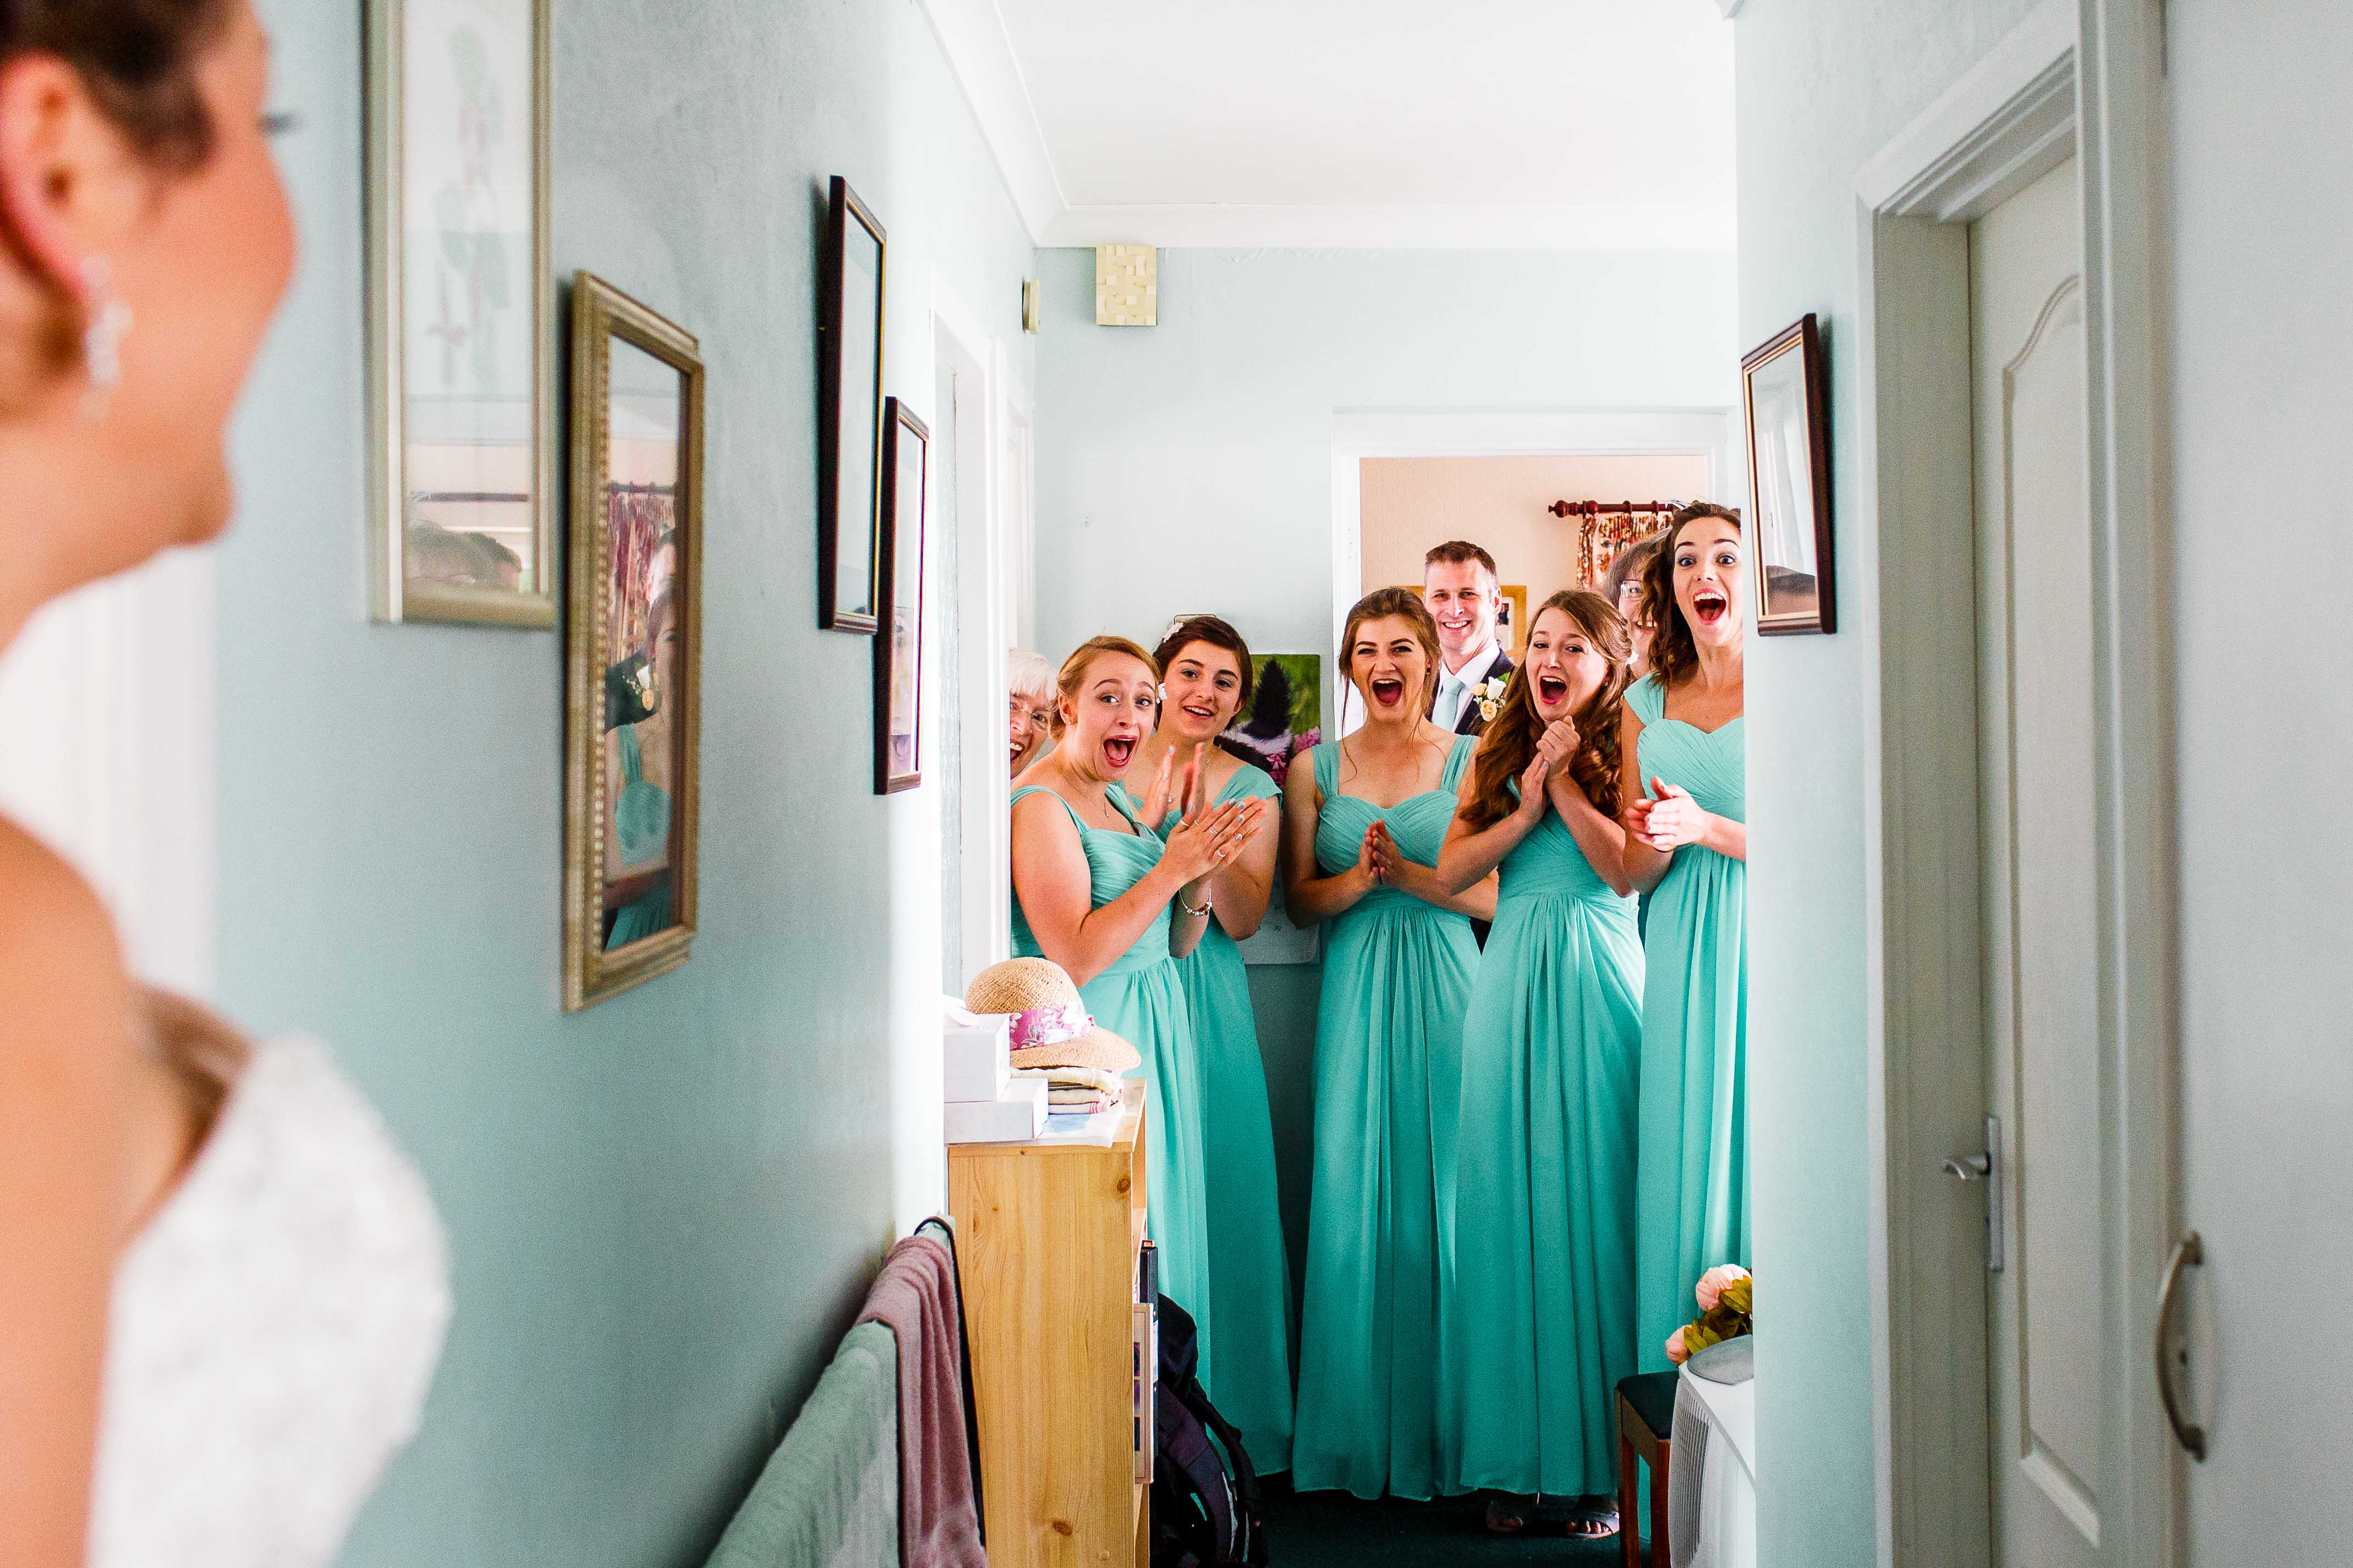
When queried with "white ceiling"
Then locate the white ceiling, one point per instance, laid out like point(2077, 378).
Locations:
point(1571, 123)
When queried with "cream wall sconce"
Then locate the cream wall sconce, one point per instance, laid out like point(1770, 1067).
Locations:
point(1128, 286)
point(1033, 305)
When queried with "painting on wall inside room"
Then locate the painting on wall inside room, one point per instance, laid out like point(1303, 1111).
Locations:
point(898, 649)
point(1286, 713)
point(850, 416)
point(461, 378)
point(1789, 482)
point(633, 675)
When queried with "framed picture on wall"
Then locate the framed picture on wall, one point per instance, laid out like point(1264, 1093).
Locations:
point(1788, 398)
point(849, 415)
point(633, 672)
point(462, 313)
point(898, 649)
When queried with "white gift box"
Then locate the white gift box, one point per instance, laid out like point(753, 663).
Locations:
point(1017, 1115)
point(977, 1060)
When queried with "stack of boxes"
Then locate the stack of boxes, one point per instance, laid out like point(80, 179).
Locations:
point(986, 1103)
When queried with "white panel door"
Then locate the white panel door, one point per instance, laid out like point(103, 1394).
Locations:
point(2039, 793)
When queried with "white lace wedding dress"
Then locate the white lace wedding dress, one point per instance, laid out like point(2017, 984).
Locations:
point(274, 1329)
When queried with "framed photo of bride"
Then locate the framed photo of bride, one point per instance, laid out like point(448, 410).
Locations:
point(633, 683)
point(462, 313)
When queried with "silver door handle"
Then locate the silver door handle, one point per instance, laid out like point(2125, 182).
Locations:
point(1984, 1167)
point(2188, 1253)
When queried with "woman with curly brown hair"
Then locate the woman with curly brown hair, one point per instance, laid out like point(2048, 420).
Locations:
point(223, 1288)
point(1543, 1321)
point(1686, 807)
point(1362, 827)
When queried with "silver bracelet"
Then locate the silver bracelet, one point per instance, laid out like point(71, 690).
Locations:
point(1189, 909)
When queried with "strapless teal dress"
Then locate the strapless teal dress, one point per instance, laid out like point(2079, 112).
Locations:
point(642, 823)
point(1141, 998)
point(1690, 1207)
point(1543, 1233)
point(1249, 1272)
point(1389, 1064)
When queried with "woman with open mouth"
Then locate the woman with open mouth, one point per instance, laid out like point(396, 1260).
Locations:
point(1686, 808)
point(1361, 834)
point(1543, 1321)
point(1207, 678)
point(1104, 896)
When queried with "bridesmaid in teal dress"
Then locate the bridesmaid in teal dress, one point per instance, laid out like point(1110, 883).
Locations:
point(1362, 831)
point(1687, 846)
point(1206, 673)
point(638, 762)
point(1542, 1325)
point(1100, 895)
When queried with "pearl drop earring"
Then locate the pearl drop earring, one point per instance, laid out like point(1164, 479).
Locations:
point(101, 339)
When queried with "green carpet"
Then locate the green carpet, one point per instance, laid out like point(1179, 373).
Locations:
point(1333, 1530)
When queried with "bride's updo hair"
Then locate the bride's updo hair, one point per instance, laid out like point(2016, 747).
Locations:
point(138, 57)
point(1074, 671)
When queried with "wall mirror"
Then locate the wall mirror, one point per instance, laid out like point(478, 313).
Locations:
point(849, 415)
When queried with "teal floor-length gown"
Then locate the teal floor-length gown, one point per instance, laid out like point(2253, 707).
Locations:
point(1249, 1272)
point(1141, 998)
point(1543, 1310)
point(1691, 1180)
point(1388, 1064)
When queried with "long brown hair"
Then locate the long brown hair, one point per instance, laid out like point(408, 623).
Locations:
point(1675, 652)
point(1509, 744)
point(1405, 605)
point(1217, 633)
point(1074, 673)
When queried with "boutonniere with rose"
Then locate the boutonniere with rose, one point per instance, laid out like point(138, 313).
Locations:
point(1489, 695)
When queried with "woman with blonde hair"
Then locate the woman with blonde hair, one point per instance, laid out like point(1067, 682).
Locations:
point(1686, 808)
point(1101, 894)
point(1362, 828)
point(1543, 1325)
point(223, 1289)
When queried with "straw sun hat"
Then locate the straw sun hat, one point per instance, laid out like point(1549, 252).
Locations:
point(1051, 1026)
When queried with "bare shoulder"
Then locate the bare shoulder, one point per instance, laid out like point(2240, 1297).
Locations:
point(60, 966)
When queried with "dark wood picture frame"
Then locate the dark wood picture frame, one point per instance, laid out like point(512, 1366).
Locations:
point(1785, 604)
point(601, 316)
point(849, 419)
point(899, 646)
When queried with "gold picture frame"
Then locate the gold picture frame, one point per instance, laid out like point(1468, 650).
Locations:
point(462, 313)
point(633, 667)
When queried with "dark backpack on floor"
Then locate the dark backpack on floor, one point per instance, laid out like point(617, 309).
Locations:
point(1204, 1502)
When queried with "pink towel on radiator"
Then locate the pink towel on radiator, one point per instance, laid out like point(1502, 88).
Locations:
point(915, 1297)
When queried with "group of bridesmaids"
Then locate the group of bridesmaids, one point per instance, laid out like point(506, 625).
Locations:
point(1525, 1156)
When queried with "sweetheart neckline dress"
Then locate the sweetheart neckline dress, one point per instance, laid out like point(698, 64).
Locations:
point(272, 1334)
point(1691, 1192)
point(1250, 1270)
point(1544, 1321)
point(1396, 973)
point(1141, 998)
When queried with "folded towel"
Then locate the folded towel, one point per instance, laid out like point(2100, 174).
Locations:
point(915, 1297)
point(830, 1495)
point(1075, 1078)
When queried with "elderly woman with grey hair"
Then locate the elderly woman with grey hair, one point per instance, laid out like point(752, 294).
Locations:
point(1031, 700)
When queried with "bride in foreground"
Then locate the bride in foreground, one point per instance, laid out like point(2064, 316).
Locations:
point(223, 1289)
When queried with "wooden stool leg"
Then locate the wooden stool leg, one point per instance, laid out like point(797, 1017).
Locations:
point(1628, 1534)
point(1660, 1557)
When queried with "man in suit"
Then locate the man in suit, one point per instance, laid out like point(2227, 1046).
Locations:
point(1464, 592)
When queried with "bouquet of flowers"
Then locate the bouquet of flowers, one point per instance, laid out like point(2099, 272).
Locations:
point(1725, 1295)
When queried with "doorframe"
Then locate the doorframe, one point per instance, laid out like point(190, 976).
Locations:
point(1711, 432)
point(986, 838)
point(2082, 79)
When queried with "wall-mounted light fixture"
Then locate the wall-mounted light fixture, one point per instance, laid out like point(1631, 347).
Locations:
point(1033, 305)
point(1128, 286)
